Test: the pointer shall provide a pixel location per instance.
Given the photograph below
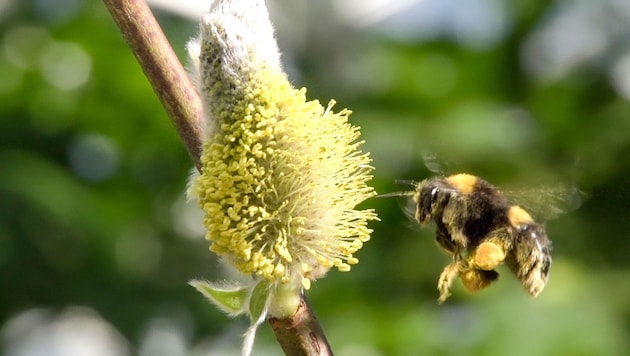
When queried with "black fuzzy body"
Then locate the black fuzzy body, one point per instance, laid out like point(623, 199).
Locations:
point(468, 211)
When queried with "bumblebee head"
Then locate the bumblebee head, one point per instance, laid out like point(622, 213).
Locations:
point(431, 197)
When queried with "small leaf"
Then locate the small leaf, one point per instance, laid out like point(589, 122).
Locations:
point(232, 299)
point(257, 313)
point(258, 300)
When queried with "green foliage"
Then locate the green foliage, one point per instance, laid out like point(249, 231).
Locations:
point(229, 299)
point(258, 300)
point(92, 176)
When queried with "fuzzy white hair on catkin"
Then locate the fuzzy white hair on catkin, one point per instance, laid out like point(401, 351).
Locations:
point(250, 40)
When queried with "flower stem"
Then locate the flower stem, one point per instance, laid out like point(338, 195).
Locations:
point(163, 69)
point(300, 334)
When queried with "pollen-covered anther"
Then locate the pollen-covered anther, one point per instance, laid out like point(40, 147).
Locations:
point(324, 261)
point(279, 270)
point(343, 267)
point(306, 283)
point(356, 245)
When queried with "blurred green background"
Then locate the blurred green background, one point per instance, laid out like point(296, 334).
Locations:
point(97, 241)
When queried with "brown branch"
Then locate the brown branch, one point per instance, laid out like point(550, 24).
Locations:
point(299, 335)
point(161, 66)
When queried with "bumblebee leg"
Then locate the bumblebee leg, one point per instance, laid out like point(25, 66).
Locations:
point(454, 218)
point(491, 252)
point(448, 275)
point(444, 241)
point(475, 280)
point(487, 256)
point(459, 238)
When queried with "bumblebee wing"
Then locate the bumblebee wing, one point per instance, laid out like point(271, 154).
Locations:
point(433, 162)
point(409, 207)
point(547, 202)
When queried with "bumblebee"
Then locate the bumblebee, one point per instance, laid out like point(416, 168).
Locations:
point(481, 229)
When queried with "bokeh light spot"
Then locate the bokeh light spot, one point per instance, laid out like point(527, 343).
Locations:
point(93, 157)
point(65, 65)
point(24, 45)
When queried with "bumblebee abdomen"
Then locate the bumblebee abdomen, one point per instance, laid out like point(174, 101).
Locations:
point(530, 257)
point(518, 216)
